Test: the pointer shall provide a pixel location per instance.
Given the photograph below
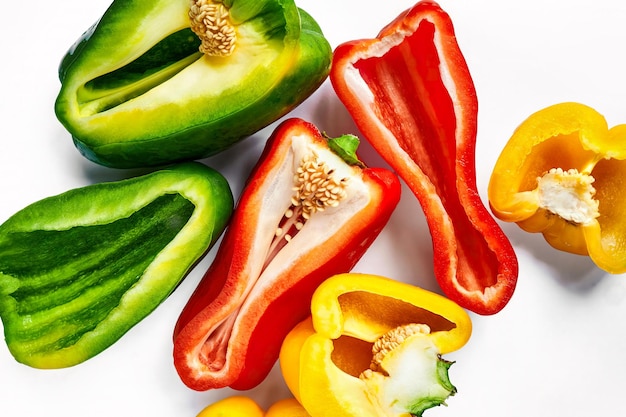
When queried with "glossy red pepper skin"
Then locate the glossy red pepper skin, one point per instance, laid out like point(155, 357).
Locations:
point(411, 94)
point(268, 311)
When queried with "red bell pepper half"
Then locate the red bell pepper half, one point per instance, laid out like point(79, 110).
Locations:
point(411, 95)
point(304, 215)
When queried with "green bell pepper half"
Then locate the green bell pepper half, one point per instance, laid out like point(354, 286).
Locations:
point(79, 269)
point(136, 91)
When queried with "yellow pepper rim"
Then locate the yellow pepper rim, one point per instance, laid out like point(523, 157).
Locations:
point(451, 325)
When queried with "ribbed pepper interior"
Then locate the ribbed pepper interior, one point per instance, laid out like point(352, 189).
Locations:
point(71, 280)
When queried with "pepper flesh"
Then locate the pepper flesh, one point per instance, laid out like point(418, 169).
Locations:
point(136, 90)
point(304, 215)
point(333, 362)
point(78, 270)
point(410, 93)
point(561, 174)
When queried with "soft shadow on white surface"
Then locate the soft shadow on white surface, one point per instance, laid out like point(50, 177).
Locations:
point(574, 272)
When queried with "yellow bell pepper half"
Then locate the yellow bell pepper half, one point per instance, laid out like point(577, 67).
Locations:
point(372, 347)
point(562, 173)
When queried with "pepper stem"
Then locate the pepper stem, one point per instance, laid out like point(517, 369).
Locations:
point(345, 147)
point(407, 374)
point(210, 20)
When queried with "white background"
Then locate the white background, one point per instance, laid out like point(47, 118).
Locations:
point(556, 349)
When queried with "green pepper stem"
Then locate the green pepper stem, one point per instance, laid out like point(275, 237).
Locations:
point(345, 146)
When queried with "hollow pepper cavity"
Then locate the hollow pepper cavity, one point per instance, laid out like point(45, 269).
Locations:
point(372, 347)
point(411, 94)
point(158, 81)
point(562, 174)
point(79, 269)
point(305, 214)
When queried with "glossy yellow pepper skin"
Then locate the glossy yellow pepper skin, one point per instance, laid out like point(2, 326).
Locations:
point(562, 174)
point(235, 406)
point(287, 407)
point(242, 406)
point(324, 358)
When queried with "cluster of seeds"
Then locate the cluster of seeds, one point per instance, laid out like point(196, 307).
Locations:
point(210, 21)
point(392, 339)
point(316, 188)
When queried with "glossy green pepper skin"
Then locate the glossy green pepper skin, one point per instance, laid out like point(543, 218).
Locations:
point(136, 90)
point(79, 269)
